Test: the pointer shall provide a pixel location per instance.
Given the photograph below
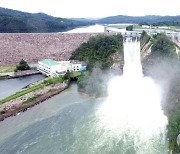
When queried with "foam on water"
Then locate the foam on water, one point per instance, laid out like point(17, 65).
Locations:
point(133, 106)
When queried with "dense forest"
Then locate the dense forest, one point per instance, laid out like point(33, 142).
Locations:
point(163, 65)
point(98, 50)
point(12, 21)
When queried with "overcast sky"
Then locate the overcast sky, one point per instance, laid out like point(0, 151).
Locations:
point(95, 8)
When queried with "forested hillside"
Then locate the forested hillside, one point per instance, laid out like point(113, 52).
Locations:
point(137, 19)
point(98, 50)
point(163, 65)
point(12, 21)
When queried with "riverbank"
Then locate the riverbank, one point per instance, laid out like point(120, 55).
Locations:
point(21, 104)
point(11, 75)
point(34, 93)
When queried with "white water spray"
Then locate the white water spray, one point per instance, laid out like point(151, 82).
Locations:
point(133, 107)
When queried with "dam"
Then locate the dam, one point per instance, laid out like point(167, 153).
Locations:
point(33, 47)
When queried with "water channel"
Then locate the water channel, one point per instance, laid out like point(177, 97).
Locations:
point(11, 86)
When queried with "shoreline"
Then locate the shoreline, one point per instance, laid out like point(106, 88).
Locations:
point(13, 75)
point(23, 108)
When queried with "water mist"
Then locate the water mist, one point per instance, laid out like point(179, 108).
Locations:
point(132, 112)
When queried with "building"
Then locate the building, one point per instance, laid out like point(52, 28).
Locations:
point(53, 68)
point(145, 26)
point(78, 65)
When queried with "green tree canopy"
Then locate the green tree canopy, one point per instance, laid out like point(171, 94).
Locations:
point(22, 66)
point(129, 28)
point(98, 49)
point(163, 46)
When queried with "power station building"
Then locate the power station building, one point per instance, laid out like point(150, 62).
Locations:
point(53, 68)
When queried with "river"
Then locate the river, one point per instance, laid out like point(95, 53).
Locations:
point(65, 124)
point(50, 127)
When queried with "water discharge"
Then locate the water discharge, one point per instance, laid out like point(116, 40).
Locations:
point(132, 112)
point(129, 121)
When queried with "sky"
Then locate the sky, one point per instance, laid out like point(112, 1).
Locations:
point(95, 8)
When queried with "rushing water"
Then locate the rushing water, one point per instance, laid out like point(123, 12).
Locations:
point(128, 121)
point(11, 86)
point(132, 112)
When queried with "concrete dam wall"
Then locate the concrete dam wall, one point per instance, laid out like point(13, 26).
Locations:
point(37, 46)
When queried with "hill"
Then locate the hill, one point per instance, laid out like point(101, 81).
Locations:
point(98, 50)
point(136, 19)
point(12, 21)
point(100, 53)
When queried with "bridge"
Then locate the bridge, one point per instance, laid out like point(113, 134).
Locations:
point(135, 35)
point(127, 35)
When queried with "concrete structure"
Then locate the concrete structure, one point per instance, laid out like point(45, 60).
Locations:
point(146, 26)
point(78, 65)
point(53, 68)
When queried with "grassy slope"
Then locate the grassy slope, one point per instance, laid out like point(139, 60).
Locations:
point(7, 69)
point(34, 88)
point(21, 93)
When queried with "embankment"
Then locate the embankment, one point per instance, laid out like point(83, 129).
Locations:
point(17, 105)
point(11, 75)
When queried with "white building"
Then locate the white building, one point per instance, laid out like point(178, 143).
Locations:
point(78, 65)
point(145, 26)
point(53, 68)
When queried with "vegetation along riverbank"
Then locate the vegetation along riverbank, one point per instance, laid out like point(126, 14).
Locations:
point(160, 58)
point(33, 95)
point(101, 53)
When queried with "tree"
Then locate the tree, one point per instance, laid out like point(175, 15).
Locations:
point(129, 28)
point(22, 66)
point(67, 75)
point(144, 39)
point(174, 131)
point(98, 49)
point(143, 23)
point(164, 46)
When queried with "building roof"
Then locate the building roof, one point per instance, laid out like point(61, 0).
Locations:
point(49, 62)
point(77, 62)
